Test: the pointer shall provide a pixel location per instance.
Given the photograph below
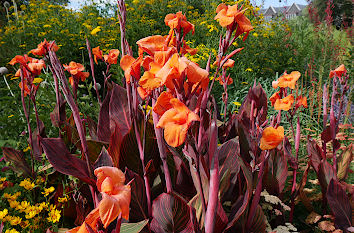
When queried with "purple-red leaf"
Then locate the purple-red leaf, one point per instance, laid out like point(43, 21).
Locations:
point(314, 153)
point(138, 203)
point(103, 127)
point(58, 116)
point(17, 157)
point(104, 159)
point(325, 174)
point(276, 173)
point(61, 159)
point(171, 214)
point(340, 205)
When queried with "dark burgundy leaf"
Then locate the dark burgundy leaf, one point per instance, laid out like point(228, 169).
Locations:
point(38, 132)
point(325, 174)
point(344, 162)
point(94, 148)
point(276, 173)
point(16, 157)
point(171, 214)
point(115, 145)
point(119, 115)
point(104, 159)
point(92, 127)
point(234, 217)
point(287, 151)
point(138, 203)
point(314, 153)
point(184, 181)
point(58, 115)
point(258, 95)
point(61, 159)
point(259, 223)
point(103, 127)
point(340, 205)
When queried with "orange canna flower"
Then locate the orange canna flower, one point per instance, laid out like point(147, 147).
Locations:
point(287, 80)
point(301, 101)
point(221, 81)
point(143, 93)
point(274, 97)
point(195, 74)
point(97, 54)
point(26, 91)
point(339, 71)
point(229, 63)
point(271, 138)
point(36, 66)
point(285, 103)
point(158, 76)
point(43, 47)
point(178, 21)
point(115, 199)
point(163, 103)
point(176, 122)
point(20, 59)
point(228, 15)
point(131, 67)
point(75, 69)
point(112, 56)
point(151, 44)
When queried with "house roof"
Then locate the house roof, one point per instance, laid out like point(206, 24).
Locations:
point(283, 10)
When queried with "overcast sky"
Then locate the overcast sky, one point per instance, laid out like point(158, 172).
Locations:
point(267, 3)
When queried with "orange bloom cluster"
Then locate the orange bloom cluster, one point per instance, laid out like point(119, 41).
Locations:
point(286, 103)
point(175, 118)
point(178, 21)
point(110, 58)
point(115, 199)
point(339, 71)
point(43, 47)
point(271, 138)
point(76, 70)
point(232, 16)
point(33, 67)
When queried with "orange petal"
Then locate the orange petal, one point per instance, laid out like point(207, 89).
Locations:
point(285, 103)
point(163, 103)
point(175, 134)
point(126, 61)
point(221, 7)
point(149, 81)
point(123, 197)
point(114, 173)
point(271, 138)
point(152, 44)
point(109, 209)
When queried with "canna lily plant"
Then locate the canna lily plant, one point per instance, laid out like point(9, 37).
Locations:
point(160, 159)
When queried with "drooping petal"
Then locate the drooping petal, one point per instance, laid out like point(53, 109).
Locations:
point(271, 138)
point(114, 173)
point(285, 103)
point(163, 103)
point(109, 209)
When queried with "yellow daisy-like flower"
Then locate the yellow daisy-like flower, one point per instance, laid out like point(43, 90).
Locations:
point(15, 220)
point(26, 149)
point(27, 184)
point(11, 231)
point(63, 199)
point(95, 30)
point(3, 213)
point(54, 215)
point(237, 103)
point(13, 204)
point(31, 214)
point(2, 179)
point(47, 191)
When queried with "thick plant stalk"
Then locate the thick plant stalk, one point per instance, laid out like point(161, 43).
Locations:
point(214, 180)
point(162, 150)
point(58, 70)
point(293, 189)
point(27, 118)
point(333, 124)
point(257, 194)
point(93, 71)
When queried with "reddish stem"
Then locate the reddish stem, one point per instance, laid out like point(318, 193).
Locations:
point(93, 71)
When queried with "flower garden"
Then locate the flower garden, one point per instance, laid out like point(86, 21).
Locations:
point(174, 116)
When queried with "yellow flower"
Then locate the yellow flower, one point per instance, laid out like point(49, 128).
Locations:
point(37, 80)
point(15, 220)
point(10, 116)
point(11, 231)
point(249, 69)
point(40, 179)
point(13, 204)
point(95, 30)
point(31, 214)
point(46, 26)
point(54, 215)
point(3, 213)
point(63, 199)
point(2, 179)
point(47, 191)
point(23, 206)
point(24, 224)
point(27, 184)
point(26, 149)
point(237, 103)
